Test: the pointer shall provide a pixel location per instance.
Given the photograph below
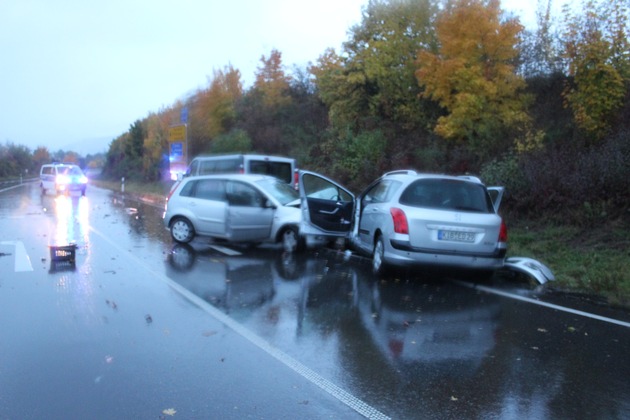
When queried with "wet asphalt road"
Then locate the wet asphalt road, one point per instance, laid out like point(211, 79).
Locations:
point(143, 328)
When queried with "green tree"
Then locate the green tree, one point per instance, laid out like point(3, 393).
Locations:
point(373, 80)
point(15, 160)
point(473, 76)
point(540, 49)
point(133, 151)
point(597, 50)
point(155, 147)
point(236, 141)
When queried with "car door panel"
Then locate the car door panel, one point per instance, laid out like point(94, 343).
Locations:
point(327, 207)
point(211, 216)
point(248, 218)
point(208, 200)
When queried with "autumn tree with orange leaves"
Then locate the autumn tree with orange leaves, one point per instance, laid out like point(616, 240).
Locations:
point(473, 76)
point(271, 80)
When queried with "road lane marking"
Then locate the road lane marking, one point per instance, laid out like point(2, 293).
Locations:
point(12, 187)
point(307, 373)
point(226, 251)
point(22, 260)
point(541, 303)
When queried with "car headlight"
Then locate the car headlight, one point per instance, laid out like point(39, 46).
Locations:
point(62, 179)
point(83, 179)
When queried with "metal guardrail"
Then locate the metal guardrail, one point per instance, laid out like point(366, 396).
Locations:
point(20, 180)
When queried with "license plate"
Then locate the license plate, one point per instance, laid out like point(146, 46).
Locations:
point(455, 236)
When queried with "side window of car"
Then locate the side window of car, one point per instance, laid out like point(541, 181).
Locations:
point(210, 189)
point(194, 168)
point(376, 194)
point(187, 189)
point(382, 192)
point(240, 194)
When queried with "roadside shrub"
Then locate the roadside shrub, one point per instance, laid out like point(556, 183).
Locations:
point(506, 171)
point(580, 184)
point(236, 141)
point(353, 160)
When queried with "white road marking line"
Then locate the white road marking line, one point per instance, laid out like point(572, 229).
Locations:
point(541, 303)
point(22, 260)
point(226, 251)
point(335, 391)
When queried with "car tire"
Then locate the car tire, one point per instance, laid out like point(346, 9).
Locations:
point(378, 261)
point(291, 240)
point(182, 230)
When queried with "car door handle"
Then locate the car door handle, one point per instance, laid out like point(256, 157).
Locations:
point(330, 212)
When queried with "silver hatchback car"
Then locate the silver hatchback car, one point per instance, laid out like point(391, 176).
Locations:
point(408, 218)
point(234, 208)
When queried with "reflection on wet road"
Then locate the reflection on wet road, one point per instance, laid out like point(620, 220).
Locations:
point(413, 348)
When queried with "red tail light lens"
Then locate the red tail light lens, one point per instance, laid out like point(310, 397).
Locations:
point(503, 233)
point(173, 188)
point(400, 221)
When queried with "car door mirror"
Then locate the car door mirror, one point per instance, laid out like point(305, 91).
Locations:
point(268, 204)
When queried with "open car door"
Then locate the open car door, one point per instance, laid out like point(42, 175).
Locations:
point(327, 207)
point(496, 195)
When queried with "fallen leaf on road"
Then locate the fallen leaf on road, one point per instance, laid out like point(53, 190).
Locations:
point(169, 411)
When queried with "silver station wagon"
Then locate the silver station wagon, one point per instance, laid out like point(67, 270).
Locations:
point(407, 218)
point(234, 208)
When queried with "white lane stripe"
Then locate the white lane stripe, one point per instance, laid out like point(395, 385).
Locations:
point(340, 394)
point(541, 303)
point(226, 251)
point(22, 260)
point(10, 188)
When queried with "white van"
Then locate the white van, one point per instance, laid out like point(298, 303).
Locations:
point(282, 168)
point(62, 178)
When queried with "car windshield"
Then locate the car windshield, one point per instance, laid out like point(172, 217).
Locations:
point(70, 170)
point(281, 191)
point(447, 194)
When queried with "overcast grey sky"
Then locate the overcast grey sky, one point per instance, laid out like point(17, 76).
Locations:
point(76, 74)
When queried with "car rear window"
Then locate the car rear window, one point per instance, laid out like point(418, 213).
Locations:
point(447, 194)
point(280, 170)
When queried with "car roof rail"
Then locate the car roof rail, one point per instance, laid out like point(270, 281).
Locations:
point(471, 178)
point(402, 172)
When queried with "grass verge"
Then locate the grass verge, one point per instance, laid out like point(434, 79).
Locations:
point(591, 260)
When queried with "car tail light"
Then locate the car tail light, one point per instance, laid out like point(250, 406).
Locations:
point(173, 188)
point(296, 179)
point(503, 233)
point(400, 220)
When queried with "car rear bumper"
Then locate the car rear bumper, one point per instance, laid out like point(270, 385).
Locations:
point(401, 253)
